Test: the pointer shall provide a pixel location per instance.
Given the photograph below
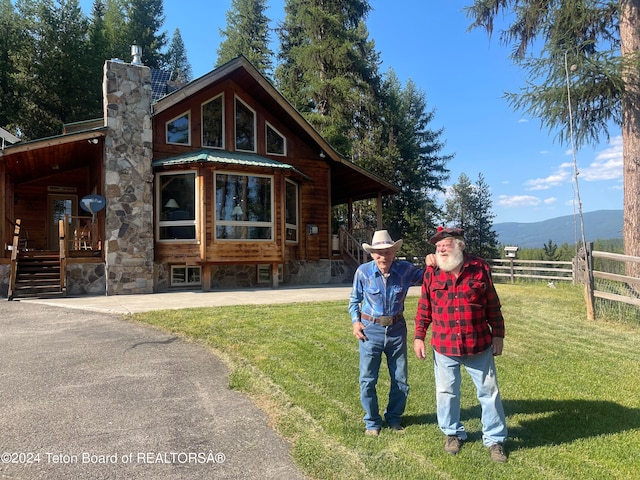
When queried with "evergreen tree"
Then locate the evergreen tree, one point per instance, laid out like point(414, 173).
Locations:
point(53, 68)
point(469, 207)
point(177, 61)
point(247, 34)
point(9, 47)
point(144, 20)
point(99, 52)
point(412, 160)
point(328, 67)
point(591, 50)
point(551, 251)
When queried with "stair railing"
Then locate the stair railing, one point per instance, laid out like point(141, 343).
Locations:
point(351, 247)
point(63, 233)
point(14, 259)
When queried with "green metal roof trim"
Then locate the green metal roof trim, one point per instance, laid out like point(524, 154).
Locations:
point(223, 156)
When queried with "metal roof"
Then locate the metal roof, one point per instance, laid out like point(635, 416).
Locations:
point(225, 157)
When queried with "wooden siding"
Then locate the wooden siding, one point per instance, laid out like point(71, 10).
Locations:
point(314, 191)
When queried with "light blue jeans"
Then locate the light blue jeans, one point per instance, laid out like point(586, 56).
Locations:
point(482, 369)
point(392, 342)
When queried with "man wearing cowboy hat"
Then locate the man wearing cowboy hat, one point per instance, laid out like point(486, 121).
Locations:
point(460, 303)
point(376, 306)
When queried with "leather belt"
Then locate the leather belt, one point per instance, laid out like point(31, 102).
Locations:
point(384, 321)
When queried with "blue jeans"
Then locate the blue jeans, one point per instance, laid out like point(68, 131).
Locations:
point(392, 341)
point(482, 369)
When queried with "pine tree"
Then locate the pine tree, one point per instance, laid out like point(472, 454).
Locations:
point(53, 67)
point(412, 160)
point(469, 207)
point(144, 20)
point(328, 67)
point(9, 45)
point(594, 48)
point(247, 34)
point(176, 59)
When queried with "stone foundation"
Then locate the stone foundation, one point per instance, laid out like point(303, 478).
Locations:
point(86, 279)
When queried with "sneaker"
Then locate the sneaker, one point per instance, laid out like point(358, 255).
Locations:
point(397, 427)
point(372, 433)
point(497, 453)
point(452, 444)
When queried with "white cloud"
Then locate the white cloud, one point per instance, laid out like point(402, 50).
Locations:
point(550, 200)
point(607, 165)
point(561, 175)
point(508, 201)
point(523, 120)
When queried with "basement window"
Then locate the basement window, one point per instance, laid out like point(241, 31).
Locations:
point(184, 276)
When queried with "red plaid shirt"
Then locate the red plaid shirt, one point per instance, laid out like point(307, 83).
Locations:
point(464, 312)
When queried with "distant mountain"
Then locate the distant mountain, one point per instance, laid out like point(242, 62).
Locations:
point(598, 225)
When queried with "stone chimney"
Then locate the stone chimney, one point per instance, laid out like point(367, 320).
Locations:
point(128, 178)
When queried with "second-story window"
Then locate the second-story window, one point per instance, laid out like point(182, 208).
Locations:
point(245, 127)
point(276, 144)
point(213, 123)
point(178, 130)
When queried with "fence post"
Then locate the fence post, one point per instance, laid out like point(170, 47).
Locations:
point(589, 282)
point(512, 271)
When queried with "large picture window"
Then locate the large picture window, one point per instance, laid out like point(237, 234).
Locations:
point(244, 207)
point(245, 127)
point(177, 206)
point(213, 122)
point(291, 211)
point(178, 130)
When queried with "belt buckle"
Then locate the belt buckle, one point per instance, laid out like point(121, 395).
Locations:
point(385, 321)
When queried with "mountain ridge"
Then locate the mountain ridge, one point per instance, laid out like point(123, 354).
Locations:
point(598, 225)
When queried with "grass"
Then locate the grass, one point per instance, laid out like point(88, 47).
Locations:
point(570, 388)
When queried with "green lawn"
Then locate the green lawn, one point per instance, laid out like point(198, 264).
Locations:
point(570, 388)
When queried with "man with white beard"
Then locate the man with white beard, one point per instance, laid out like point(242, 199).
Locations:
point(460, 303)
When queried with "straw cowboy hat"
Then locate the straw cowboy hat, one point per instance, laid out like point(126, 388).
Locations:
point(381, 241)
point(446, 233)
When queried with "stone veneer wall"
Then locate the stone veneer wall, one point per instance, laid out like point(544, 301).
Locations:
point(129, 242)
point(85, 279)
point(320, 272)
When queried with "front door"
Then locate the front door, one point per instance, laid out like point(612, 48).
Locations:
point(57, 207)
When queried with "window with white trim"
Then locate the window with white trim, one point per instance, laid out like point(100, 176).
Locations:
point(183, 275)
point(291, 211)
point(244, 207)
point(178, 130)
point(276, 143)
point(176, 194)
point(213, 122)
point(245, 127)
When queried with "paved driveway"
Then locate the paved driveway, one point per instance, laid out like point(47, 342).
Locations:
point(87, 395)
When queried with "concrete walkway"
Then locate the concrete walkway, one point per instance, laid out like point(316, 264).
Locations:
point(86, 394)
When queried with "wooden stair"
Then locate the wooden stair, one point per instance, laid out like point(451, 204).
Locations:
point(38, 275)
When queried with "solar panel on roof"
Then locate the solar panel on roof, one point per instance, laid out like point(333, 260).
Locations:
point(159, 79)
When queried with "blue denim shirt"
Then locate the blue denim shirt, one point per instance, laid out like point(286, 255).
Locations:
point(370, 294)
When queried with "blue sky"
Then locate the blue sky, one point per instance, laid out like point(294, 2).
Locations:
point(463, 75)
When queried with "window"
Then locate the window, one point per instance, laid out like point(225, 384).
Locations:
point(276, 143)
point(178, 130)
point(213, 123)
point(244, 206)
point(182, 276)
point(263, 273)
point(245, 127)
point(177, 205)
point(291, 211)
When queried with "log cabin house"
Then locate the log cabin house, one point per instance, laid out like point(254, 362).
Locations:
point(218, 184)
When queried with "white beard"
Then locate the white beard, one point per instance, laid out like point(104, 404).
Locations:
point(451, 261)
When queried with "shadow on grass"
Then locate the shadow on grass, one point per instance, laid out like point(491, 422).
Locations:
point(554, 422)
point(551, 422)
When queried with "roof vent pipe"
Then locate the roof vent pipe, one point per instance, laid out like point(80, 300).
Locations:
point(136, 52)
